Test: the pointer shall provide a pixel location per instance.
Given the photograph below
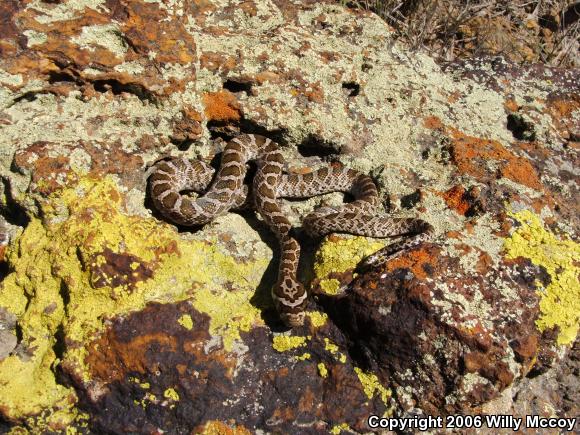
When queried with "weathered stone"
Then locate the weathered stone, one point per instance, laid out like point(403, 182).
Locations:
point(437, 340)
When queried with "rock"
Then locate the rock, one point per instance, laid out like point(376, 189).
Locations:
point(428, 338)
point(115, 320)
point(8, 340)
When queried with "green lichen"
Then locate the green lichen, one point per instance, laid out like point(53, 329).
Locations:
point(52, 422)
point(63, 11)
point(60, 258)
point(108, 36)
point(560, 300)
point(27, 384)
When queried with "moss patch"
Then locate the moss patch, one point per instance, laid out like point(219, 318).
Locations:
point(560, 300)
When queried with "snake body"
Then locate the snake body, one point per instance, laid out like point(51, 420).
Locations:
point(170, 178)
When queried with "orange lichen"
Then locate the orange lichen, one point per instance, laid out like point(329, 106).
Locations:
point(470, 154)
point(414, 261)
point(267, 76)
point(433, 123)
point(455, 199)
point(454, 97)
point(510, 105)
point(215, 427)
point(484, 263)
point(314, 93)
point(221, 106)
point(111, 359)
point(217, 61)
point(453, 235)
point(562, 111)
point(125, 347)
point(565, 108)
point(534, 148)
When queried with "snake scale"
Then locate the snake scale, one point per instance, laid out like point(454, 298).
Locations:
point(169, 179)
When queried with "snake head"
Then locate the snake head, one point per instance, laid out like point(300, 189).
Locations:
point(290, 297)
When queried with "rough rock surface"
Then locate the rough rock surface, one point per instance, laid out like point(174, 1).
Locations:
point(112, 319)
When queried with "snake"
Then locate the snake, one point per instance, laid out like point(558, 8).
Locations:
point(170, 182)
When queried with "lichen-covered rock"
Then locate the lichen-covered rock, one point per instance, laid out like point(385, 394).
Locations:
point(112, 319)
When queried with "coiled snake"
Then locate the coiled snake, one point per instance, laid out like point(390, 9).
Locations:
point(169, 179)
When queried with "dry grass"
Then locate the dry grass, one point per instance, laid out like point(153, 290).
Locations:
point(523, 31)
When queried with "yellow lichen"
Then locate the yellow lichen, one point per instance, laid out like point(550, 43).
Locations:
point(303, 357)
point(370, 383)
point(149, 397)
point(322, 370)
point(170, 393)
point(144, 385)
point(560, 300)
point(186, 321)
point(330, 286)
point(333, 349)
point(317, 319)
point(343, 254)
point(59, 259)
point(283, 343)
point(339, 256)
point(230, 312)
point(336, 430)
point(330, 346)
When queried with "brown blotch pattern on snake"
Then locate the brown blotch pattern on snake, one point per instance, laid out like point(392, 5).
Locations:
point(169, 179)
